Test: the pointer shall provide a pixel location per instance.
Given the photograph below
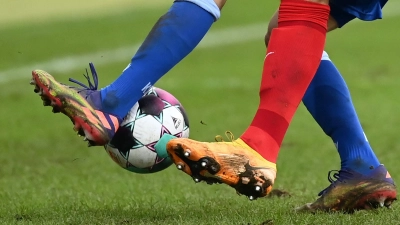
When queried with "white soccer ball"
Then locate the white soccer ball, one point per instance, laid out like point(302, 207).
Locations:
point(156, 113)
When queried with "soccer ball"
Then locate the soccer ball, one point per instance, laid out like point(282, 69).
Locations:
point(155, 114)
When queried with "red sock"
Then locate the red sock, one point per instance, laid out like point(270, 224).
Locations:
point(293, 56)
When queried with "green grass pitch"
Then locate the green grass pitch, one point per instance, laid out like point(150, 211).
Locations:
point(49, 176)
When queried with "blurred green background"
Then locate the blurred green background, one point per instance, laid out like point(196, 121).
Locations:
point(48, 176)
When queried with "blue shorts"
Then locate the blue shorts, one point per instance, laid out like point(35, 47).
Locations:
point(344, 11)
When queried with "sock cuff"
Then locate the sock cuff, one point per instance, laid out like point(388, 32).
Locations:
point(208, 5)
point(303, 12)
point(272, 123)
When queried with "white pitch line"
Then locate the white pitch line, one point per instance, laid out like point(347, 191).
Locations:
point(218, 38)
point(222, 37)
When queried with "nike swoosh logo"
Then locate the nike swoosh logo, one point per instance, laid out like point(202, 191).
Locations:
point(269, 53)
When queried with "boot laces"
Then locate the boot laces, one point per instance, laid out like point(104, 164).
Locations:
point(229, 135)
point(335, 176)
point(339, 176)
point(92, 86)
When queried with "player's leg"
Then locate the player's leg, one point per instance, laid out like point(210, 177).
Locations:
point(332, 108)
point(328, 100)
point(172, 38)
point(362, 182)
point(294, 53)
point(96, 114)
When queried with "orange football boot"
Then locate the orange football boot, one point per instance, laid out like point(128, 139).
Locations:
point(233, 163)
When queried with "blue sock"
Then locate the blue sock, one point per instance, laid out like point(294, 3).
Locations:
point(329, 102)
point(172, 38)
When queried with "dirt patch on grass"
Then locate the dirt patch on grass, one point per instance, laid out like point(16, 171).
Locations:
point(279, 193)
